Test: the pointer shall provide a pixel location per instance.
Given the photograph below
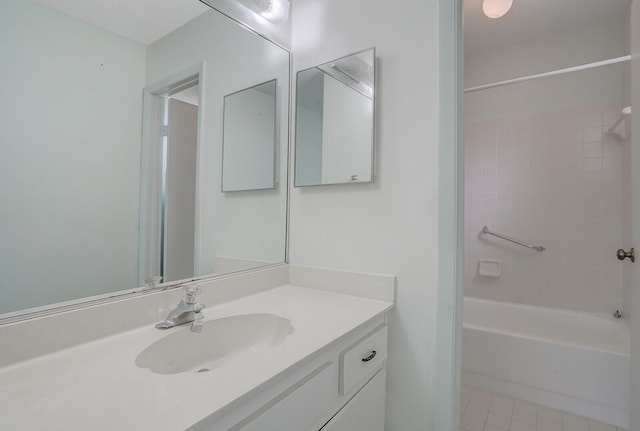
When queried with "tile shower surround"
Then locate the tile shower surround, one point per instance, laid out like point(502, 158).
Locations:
point(551, 179)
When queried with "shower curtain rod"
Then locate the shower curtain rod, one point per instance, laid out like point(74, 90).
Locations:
point(552, 73)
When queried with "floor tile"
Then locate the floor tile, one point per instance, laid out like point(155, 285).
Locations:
point(475, 415)
point(599, 426)
point(549, 419)
point(463, 409)
point(465, 395)
point(471, 425)
point(546, 411)
point(525, 413)
point(574, 423)
point(481, 400)
point(484, 411)
point(501, 410)
point(499, 421)
point(521, 426)
point(504, 401)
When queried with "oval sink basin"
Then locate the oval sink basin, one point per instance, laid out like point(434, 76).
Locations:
point(184, 351)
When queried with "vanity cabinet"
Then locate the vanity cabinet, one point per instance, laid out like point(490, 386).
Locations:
point(365, 411)
point(306, 402)
point(340, 388)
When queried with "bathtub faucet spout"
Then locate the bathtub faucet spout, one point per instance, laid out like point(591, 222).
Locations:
point(617, 314)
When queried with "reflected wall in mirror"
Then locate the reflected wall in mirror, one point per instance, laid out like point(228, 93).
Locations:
point(249, 144)
point(335, 121)
point(82, 199)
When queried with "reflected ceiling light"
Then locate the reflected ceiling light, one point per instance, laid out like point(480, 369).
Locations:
point(496, 8)
point(275, 11)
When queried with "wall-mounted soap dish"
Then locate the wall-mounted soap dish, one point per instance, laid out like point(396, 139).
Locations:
point(489, 268)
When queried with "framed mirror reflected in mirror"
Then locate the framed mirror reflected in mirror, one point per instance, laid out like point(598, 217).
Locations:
point(335, 113)
point(249, 139)
point(89, 211)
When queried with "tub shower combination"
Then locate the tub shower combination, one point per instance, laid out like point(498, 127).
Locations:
point(572, 361)
point(569, 360)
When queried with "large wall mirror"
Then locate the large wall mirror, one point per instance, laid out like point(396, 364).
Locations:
point(89, 209)
point(334, 141)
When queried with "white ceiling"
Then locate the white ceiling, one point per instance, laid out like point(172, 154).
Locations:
point(143, 21)
point(531, 19)
point(191, 95)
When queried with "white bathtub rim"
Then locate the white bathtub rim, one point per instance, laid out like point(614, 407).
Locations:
point(622, 352)
point(606, 316)
point(621, 324)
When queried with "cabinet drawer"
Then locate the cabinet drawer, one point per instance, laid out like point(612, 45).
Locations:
point(362, 359)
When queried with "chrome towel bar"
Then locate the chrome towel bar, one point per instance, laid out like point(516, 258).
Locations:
point(486, 230)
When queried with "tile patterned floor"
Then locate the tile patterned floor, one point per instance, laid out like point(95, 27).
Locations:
point(484, 411)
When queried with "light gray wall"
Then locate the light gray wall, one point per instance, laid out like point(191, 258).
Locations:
point(346, 133)
point(308, 144)
point(544, 54)
point(245, 225)
point(70, 125)
point(390, 226)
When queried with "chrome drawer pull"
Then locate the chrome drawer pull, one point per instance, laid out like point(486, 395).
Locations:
point(370, 357)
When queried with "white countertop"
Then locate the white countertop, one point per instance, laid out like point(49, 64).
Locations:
point(97, 386)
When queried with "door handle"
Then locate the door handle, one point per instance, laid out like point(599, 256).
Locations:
point(622, 255)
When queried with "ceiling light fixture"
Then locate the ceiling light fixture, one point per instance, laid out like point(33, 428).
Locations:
point(276, 11)
point(496, 8)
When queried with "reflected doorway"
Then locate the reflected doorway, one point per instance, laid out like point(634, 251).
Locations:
point(179, 178)
point(168, 202)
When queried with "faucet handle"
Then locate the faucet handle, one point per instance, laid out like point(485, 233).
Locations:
point(190, 293)
point(197, 325)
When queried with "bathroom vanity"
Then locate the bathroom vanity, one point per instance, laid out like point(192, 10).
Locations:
point(342, 387)
point(202, 196)
point(319, 364)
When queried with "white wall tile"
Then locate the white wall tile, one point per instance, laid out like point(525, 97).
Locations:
point(592, 149)
point(592, 134)
point(551, 179)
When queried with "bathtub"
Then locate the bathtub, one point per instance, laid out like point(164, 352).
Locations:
point(571, 361)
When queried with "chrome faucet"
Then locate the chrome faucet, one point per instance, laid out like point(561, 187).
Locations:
point(188, 310)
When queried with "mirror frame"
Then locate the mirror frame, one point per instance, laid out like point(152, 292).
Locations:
point(130, 293)
point(373, 123)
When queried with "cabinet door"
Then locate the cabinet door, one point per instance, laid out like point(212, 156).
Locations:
point(297, 408)
point(365, 411)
